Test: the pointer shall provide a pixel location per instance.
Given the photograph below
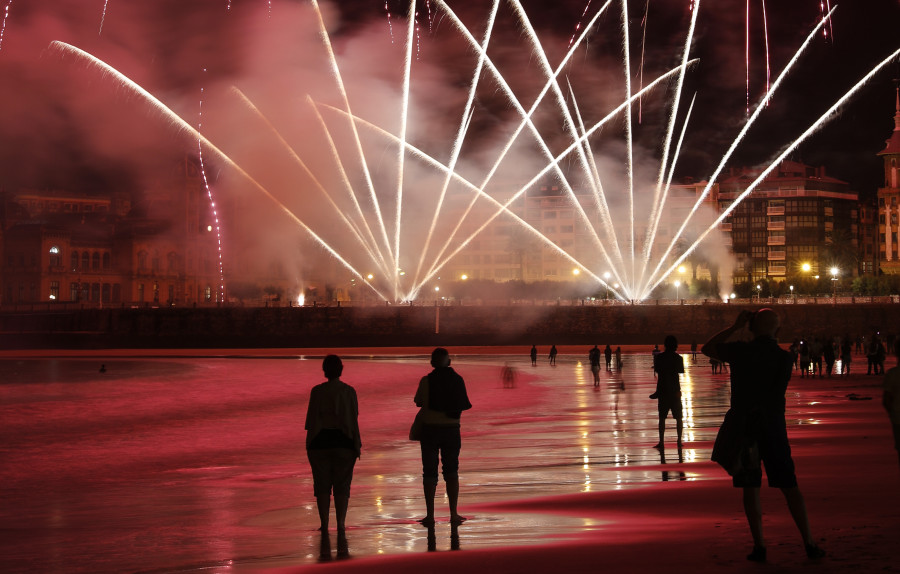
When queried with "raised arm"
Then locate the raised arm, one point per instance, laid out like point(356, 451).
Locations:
point(709, 348)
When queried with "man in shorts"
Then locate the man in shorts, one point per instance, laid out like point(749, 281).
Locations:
point(668, 366)
point(760, 371)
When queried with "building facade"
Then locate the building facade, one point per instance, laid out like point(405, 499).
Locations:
point(107, 249)
point(798, 222)
point(889, 201)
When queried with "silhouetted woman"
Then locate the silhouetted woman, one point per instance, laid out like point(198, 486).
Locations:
point(332, 441)
point(442, 397)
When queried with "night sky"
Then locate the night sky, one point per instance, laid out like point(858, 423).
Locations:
point(66, 126)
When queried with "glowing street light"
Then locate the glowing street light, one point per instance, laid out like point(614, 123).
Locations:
point(758, 292)
point(464, 277)
point(677, 285)
point(792, 292)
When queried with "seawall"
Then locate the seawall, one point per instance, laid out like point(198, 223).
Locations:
point(388, 326)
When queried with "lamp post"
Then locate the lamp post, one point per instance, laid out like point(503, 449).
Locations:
point(806, 267)
point(677, 285)
point(792, 293)
point(758, 292)
point(834, 280)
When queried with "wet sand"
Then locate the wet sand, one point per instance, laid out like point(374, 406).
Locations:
point(178, 464)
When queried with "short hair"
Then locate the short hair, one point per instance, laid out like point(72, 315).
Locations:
point(670, 343)
point(440, 357)
point(332, 366)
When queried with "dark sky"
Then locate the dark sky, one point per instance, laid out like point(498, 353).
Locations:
point(65, 125)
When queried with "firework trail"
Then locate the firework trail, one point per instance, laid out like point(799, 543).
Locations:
point(387, 11)
point(3, 25)
point(578, 25)
point(212, 202)
point(103, 16)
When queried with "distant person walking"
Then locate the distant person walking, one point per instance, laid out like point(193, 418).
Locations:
point(553, 353)
point(442, 397)
point(594, 360)
point(668, 366)
point(607, 354)
point(533, 356)
point(891, 400)
point(332, 441)
point(760, 372)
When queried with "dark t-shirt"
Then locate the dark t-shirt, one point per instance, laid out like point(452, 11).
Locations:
point(760, 371)
point(668, 365)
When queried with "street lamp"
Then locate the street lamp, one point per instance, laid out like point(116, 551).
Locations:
point(792, 293)
point(677, 285)
point(758, 292)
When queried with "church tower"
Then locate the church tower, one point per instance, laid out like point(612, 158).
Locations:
point(889, 199)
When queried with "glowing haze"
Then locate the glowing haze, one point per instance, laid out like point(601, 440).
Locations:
point(392, 146)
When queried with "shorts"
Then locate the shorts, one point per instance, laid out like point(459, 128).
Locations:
point(665, 405)
point(775, 454)
point(443, 441)
point(332, 470)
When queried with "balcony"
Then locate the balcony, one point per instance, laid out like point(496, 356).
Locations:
point(829, 211)
point(725, 226)
point(775, 225)
point(775, 210)
point(777, 270)
point(777, 240)
point(777, 255)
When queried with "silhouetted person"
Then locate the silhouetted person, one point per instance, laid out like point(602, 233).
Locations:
point(760, 372)
point(442, 397)
point(102, 368)
point(332, 441)
point(594, 359)
point(891, 400)
point(694, 351)
point(533, 356)
point(553, 353)
point(828, 355)
point(508, 375)
point(846, 356)
point(607, 354)
point(668, 366)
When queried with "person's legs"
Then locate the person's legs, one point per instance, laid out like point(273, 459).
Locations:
point(322, 481)
point(753, 511)
point(450, 447)
point(429, 472)
point(662, 432)
point(679, 427)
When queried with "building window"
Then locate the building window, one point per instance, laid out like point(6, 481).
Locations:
point(85, 292)
point(140, 292)
point(74, 261)
point(171, 298)
point(95, 262)
point(156, 290)
point(172, 261)
point(54, 290)
point(95, 292)
point(116, 293)
point(55, 257)
point(106, 260)
point(207, 294)
point(73, 291)
point(142, 261)
point(105, 293)
point(85, 261)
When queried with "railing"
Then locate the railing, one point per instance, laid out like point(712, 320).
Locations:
point(68, 306)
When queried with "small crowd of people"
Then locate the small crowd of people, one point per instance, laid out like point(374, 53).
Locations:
point(753, 435)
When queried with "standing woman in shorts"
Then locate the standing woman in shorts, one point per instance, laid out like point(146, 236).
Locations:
point(442, 398)
point(332, 441)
